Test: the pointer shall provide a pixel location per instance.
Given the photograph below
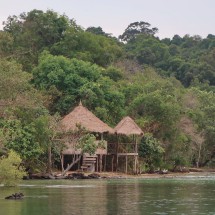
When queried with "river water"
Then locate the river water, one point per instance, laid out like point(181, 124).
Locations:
point(184, 196)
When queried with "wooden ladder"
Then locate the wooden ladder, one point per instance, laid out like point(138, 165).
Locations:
point(89, 162)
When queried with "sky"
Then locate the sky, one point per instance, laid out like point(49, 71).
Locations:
point(193, 17)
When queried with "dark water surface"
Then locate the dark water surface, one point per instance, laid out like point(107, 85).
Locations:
point(186, 195)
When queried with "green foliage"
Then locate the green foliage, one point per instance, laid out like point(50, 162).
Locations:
point(11, 171)
point(97, 31)
point(151, 150)
point(21, 138)
point(203, 114)
point(137, 28)
point(148, 50)
point(6, 44)
point(186, 58)
point(156, 102)
point(113, 73)
point(13, 81)
point(87, 144)
point(33, 32)
point(76, 80)
point(88, 46)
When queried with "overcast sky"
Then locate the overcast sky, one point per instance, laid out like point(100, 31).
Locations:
point(194, 17)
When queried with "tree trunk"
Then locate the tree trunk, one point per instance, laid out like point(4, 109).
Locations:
point(72, 164)
point(62, 161)
point(199, 155)
point(49, 168)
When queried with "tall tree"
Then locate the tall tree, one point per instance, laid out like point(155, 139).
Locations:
point(33, 32)
point(136, 28)
point(97, 31)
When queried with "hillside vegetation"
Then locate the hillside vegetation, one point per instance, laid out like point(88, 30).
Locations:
point(48, 63)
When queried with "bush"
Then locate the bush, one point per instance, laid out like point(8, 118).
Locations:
point(11, 172)
point(151, 151)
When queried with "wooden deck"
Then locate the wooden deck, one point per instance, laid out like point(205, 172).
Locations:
point(124, 154)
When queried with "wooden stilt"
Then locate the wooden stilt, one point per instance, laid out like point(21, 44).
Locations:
point(105, 164)
point(97, 163)
point(126, 164)
point(100, 163)
point(135, 161)
point(135, 164)
point(62, 162)
point(117, 150)
point(79, 164)
point(117, 161)
point(112, 161)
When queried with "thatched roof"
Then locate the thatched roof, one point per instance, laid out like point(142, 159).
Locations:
point(127, 126)
point(81, 115)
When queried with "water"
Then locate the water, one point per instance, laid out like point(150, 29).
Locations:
point(184, 196)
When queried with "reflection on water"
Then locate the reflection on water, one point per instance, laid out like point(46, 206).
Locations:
point(131, 196)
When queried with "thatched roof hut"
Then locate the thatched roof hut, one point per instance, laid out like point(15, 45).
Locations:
point(81, 115)
point(127, 126)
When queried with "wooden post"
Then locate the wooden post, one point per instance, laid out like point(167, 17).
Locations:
point(100, 156)
point(100, 163)
point(126, 164)
point(117, 161)
point(135, 159)
point(62, 162)
point(105, 164)
point(112, 161)
point(97, 163)
point(135, 164)
point(117, 149)
point(136, 145)
point(79, 163)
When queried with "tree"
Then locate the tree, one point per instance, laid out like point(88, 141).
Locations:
point(11, 171)
point(97, 31)
point(33, 32)
point(32, 133)
point(176, 40)
point(73, 80)
point(147, 49)
point(195, 138)
point(151, 151)
point(24, 124)
point(136, 28)
point(6, 44)
point(157, 103)
point(87, 46)
point(37, 29)
point(13, 80)
point(203, 115)
point(15, 89)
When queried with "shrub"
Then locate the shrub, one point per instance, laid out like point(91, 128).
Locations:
point(11, 171)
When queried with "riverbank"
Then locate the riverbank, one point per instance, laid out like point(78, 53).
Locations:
point(157, 175)
point(118, 175)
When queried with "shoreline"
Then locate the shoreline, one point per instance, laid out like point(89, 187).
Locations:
point(119, 175)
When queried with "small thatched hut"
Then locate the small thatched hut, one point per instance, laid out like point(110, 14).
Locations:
point(127, 127)
point(82, 116)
